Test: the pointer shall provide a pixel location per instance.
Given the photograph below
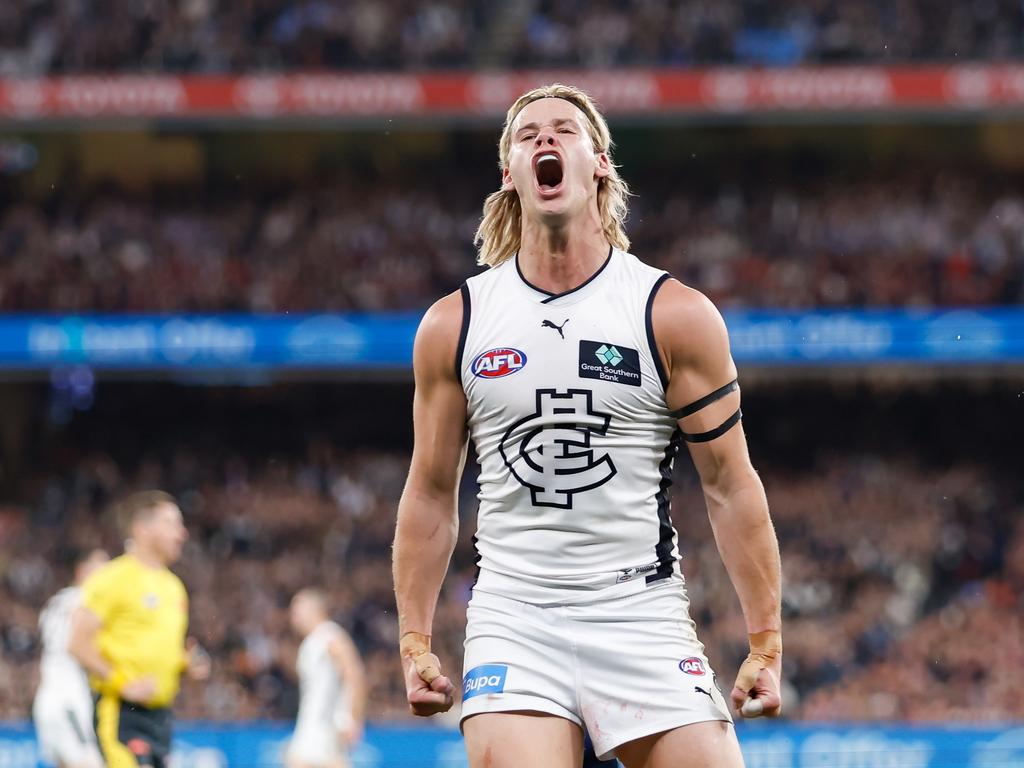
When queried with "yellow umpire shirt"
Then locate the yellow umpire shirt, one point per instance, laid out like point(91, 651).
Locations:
point(143, 613)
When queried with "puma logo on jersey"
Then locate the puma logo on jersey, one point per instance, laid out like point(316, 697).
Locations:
point(549, 324)
point(550, 453)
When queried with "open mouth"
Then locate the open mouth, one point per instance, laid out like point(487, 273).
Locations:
point(548, 168)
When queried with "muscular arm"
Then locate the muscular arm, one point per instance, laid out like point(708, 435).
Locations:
point(427, 513)
point(82, 643)
point(695, 350)
point(83, 648)
point(350, 669)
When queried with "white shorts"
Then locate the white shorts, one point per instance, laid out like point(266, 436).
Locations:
point(65, 731)
point(623, 668)
point(317, 746)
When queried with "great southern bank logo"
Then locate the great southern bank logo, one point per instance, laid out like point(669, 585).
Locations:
point(495, 363)
point(487, 678)
point(608, 355)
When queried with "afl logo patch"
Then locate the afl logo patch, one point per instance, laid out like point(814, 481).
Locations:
point(495, 363)
point(692, 666)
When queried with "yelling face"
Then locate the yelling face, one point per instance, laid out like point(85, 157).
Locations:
point(552, 164)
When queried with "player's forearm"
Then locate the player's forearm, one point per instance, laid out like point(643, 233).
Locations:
point(748, 546)
point(424, 540)
point(359, 695)
point(85, 652)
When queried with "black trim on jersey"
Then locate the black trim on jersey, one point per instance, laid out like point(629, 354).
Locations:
point(655, 355)
point(76, 726)
point(552, 296)
point(704, 402)
point(476, 562)
point(711, 434)
point(463, 332)
point(666, 534)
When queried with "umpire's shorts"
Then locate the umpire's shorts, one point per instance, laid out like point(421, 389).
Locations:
point(131, 735)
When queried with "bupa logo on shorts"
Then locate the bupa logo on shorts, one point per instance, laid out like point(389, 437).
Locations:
point(692, 666)
point(487, 678)
point(609, 362)
point(495, 363)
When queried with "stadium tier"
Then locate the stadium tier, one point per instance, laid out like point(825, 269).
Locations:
point(204, 36)
point(931, 237)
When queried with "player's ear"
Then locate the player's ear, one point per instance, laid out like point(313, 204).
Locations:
point(507, 185)
point(603, 166)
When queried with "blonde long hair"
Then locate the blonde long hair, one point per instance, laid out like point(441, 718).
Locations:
point(500, 231)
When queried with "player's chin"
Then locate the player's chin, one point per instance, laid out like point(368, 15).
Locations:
point(553, 213)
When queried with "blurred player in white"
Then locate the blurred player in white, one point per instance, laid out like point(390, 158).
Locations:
point(579, 372)
point(332, 687)
point(62, 709)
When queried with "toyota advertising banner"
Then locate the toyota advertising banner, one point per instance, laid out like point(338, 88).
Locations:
point(632, 92)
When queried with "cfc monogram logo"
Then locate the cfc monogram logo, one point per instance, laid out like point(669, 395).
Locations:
point(549, 451)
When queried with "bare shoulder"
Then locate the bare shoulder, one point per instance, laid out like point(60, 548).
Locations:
point(438, 334)
point(443, 319)
point(340, 639)
point(685, 322)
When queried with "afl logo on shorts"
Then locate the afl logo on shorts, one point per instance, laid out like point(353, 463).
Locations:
point(692, 666)
point(495, 363)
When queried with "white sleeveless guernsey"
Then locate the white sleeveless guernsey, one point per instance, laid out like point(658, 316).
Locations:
point(567, 412)
point(323, 701)
point(57, 668)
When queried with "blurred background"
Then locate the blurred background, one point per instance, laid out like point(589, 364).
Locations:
point(221, 221)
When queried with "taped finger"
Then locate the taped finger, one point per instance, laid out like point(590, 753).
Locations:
point(428, 667)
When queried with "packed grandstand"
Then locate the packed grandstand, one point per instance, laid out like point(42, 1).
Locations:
point(890, 553)
point(929, 239)
point(899, 506)
point(47, 37)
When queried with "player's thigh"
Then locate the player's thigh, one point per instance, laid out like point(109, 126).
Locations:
point(85, 758)
point(74, 744)
point(88, 761)
point(334, 762)
point(315, 748)
point(711, 744)
point(516, 739)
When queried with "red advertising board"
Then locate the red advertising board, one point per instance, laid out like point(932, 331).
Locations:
point(642, 91)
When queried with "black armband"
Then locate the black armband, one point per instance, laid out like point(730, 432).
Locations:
point(704, 402)
point(711, 434)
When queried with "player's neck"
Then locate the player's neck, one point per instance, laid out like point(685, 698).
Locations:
point(148, 558)
point(558, 259)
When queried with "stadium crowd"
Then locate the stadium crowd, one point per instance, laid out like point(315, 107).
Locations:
point(354, 245)
point(876, 610)
point(40, 37)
